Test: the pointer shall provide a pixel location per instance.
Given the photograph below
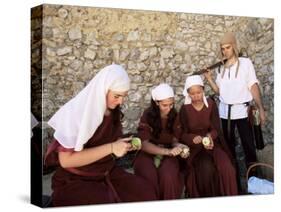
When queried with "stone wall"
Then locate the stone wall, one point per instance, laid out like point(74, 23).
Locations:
point(153, 47)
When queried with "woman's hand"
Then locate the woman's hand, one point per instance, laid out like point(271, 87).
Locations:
point(175, 151)
point(120, 147)
point(197, 139)
point(208, 74)
point(185, 151)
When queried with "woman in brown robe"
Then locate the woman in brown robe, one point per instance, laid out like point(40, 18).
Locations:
point(210, 167)
point(157, 161)
point(87, 139)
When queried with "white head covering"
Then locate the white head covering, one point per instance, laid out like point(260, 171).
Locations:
point(77, 120)
point(162, 91)
point(190, 81)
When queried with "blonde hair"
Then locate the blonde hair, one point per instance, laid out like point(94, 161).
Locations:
point(229, 38)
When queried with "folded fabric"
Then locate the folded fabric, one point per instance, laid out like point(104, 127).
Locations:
point(260, 186)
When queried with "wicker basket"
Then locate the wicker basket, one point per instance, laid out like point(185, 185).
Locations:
point(258, 165)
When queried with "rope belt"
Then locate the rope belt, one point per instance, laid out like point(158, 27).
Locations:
point(108, 181)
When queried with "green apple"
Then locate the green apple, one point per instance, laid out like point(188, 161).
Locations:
point(157, 160)
point(136, 142)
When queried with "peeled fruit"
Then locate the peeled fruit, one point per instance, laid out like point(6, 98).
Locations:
point(185, 150)
point(206, 141)
point(136, 142)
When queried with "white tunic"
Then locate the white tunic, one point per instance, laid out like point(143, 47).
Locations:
point(236, 90)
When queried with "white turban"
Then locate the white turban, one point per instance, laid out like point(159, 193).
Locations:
point(76, 121)
point(162, 91)
point(190, 81)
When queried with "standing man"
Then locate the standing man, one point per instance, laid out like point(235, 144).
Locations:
point(236, 84)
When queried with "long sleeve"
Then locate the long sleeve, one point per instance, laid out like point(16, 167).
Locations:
point(119, 131)
point(215, 120)
point(181, 130)
point(144, 130)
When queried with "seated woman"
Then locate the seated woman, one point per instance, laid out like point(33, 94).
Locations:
point(210, 168)
point(87, 134)
point(157, 161)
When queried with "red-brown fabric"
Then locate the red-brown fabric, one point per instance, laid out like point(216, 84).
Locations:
point(108, 184)
point(210, 172)
point(167, 179)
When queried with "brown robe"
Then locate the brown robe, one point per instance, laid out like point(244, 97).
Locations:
point(101, 181)
point(209, 172)
point(167, 178)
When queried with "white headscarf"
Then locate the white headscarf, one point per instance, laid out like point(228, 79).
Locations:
point(162, 91)
point(190, 81)
point(77, 120)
